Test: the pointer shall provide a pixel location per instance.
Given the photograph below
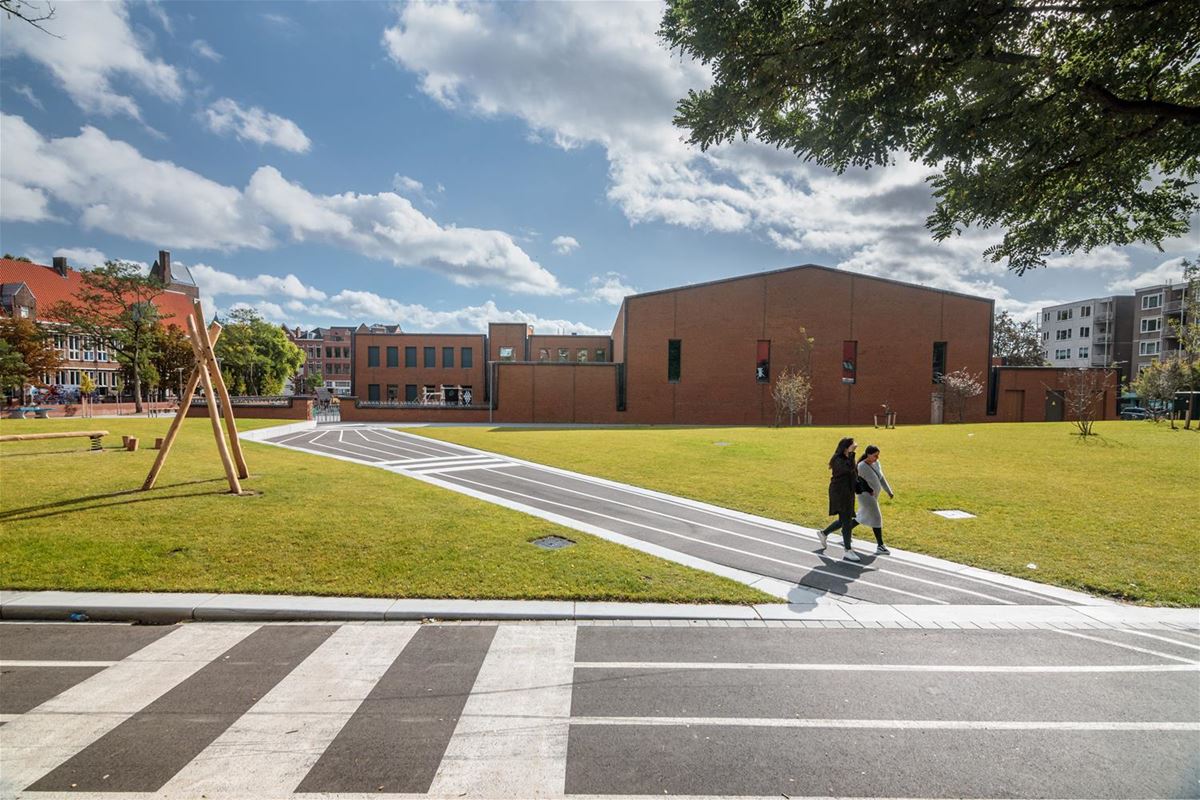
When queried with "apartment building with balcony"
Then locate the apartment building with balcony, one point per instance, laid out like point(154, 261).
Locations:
point(1097, 332)
point(1155, 308)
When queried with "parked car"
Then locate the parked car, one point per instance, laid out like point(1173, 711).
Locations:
point(1135, 412)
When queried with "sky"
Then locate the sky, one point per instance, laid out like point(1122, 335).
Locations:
point(441, 166)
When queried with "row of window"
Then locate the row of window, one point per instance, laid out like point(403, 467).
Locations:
point(1064, 314)
point(80, 348)
point(762, 366)
point(445, 394)
point(466, 357)
point(70, 377)
point(1063, 354)
point(337, 352)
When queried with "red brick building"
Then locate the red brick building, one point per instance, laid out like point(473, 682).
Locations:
point(31, 290)
point(701, 354)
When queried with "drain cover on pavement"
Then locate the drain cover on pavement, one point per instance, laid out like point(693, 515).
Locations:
point(553, 542)
point(954, 513)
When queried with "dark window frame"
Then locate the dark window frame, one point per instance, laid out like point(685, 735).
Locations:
point(674, 360)
point(939, 360)
point(373, 356)
point(447, 358)
point(466, 358)
point(430, 358)
point(410, 356)
point(393, 356)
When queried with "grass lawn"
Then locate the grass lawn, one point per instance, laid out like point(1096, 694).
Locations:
point(72, 519)
point(1117, 514)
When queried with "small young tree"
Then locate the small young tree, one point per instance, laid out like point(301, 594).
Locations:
point(1158, 383)
point(790, 392)
point(30, 353)
point(799, 364)
point(1084, 397)
point(86, 387)
point(1187, 330)
point(114, 304)
point(173, 358)
point(1016, 342)
point(957, 388)
point(313, 381)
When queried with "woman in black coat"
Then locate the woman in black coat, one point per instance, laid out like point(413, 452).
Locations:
point(841, 496)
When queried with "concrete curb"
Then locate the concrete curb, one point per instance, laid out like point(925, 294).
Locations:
point(163, 608)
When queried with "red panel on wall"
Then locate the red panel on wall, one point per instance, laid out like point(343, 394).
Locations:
point(849, 361)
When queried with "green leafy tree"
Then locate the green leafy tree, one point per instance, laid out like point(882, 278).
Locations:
point(1187, 330)
point(1158, 383)
point(173, 357)
point(86, 387)
point(256, 357)
point(115, 304)
point(28, 353)
point(1069, 124)
point(1018, 343)
point(314, 381)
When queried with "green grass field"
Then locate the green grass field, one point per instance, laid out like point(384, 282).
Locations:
point(71, 519)
point(1117, 514)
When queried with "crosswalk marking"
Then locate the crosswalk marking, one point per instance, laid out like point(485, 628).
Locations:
point(511, 740)
point(56, 730)
point(272, 747)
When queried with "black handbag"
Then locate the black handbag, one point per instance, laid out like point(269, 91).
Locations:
point(861, 486)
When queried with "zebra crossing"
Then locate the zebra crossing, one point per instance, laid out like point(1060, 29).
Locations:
point(236, 710)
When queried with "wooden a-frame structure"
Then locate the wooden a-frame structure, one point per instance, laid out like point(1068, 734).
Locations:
point(206, 373)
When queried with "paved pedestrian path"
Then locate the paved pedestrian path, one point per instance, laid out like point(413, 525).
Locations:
point(247, 711)
point(772, 555)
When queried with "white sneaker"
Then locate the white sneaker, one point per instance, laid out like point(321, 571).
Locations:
point(824, 537)
point(851, 556)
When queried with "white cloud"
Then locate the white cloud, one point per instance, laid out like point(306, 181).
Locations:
point(608, 288)
point(1169, 271)
point(289, 300)
point(159, 13)
point(565, 244)
point(254, 124)
point(23, 203)
point(118, 190)
point(219, 282)
point(28, 94)
point(404, 184)
point(596, 74)
point(94, 46)
point(1102, 258)
point(387, 226)
point(281, 23)
point(82, 257)
point(205, 50)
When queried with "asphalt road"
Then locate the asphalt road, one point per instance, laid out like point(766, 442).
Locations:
point(711, 534)
point(237, 710)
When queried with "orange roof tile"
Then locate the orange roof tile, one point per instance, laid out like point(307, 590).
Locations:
point(49, 288)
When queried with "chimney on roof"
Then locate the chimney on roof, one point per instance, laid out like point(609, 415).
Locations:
point(60, 265)
point(162, 268)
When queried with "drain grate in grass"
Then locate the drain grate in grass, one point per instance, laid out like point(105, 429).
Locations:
point(552, 542)
point(954, 513)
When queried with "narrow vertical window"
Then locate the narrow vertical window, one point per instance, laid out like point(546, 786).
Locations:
point(939, 361)
point(447, 357)
point(410, 356)
point(430, 356)
point(762, 366)
point(373, 357)
point(393, 356)
point(373, 393)
point(468, 358)
point(410, 393)
point(674, 357)
point(849, 361)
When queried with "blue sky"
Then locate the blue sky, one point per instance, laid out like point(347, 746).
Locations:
point(438, 166)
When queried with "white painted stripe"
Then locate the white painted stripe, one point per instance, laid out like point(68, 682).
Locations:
point(291, 437)
point(387, 448)
point(434, 446)
point(891, 724)
point(56, 730)
point(768, 667)
point(444, 470)
point(760, 540)
point(1154, 636)
point(1123, 645)
point(786, 529)
point(511, 739)
point(488, 488)
point(270, 748)
point(17, 663)
point(420, 462)
point(917, 560)
point(456, 463)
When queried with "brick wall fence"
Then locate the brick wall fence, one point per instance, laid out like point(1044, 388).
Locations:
point(296, 407)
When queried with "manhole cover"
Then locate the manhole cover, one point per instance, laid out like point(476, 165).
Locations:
point(954, 513)
point(553, 542)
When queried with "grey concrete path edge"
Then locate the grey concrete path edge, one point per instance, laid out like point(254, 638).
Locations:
point(182, 607)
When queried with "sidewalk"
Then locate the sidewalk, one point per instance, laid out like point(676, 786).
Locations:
point(179, 607)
